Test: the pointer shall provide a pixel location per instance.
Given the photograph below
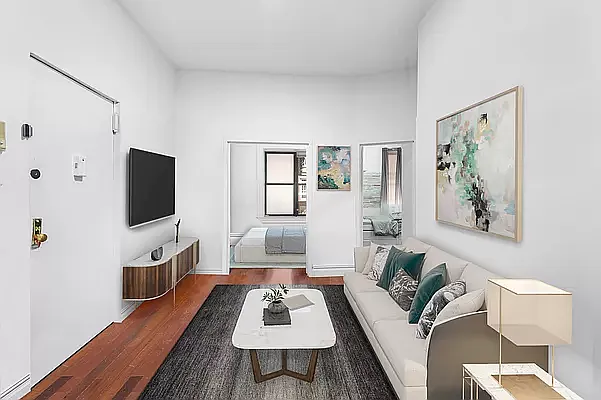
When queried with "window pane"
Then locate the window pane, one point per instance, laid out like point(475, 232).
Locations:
point(280, 168)
point(279, 199)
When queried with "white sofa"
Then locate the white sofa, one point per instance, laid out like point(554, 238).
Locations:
point(428, 369)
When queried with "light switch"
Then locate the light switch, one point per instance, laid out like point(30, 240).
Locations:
point(2, 136)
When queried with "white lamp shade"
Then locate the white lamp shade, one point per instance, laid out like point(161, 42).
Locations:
point(529, 312)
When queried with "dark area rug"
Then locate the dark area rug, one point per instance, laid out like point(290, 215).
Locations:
point(205, 365)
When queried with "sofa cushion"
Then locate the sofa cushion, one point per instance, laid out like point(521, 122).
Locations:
point(435, 257)
point(373, 247)
point(404, 351)
point(356, 282)
point(430, 284)
point(378, 306)
point(466, 304)
point(398, 259)
point(475, 278)
point(414, 245)
point(360, 256)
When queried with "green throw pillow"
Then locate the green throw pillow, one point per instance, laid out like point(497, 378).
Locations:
point(431, 283)
point(397, 259)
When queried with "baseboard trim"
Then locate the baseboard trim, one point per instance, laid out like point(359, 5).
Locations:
point(17, 390)
point(209, 272)
point(274, 266)
point(330, 270)
point(130, 308)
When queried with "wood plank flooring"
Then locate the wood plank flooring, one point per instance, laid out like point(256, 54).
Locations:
point(119, 362)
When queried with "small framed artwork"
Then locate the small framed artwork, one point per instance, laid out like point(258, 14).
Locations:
point(334, 168)
point(479, 166)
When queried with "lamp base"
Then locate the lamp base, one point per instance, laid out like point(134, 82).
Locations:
point(528, 387)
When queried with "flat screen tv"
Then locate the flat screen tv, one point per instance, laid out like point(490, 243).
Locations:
point(151, 186)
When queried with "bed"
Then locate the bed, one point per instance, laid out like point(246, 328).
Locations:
point(255, 248)
point(382, 229)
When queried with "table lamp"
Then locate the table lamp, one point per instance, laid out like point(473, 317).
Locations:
point(529, 313)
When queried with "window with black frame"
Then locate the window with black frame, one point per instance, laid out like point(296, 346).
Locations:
point(285, 184)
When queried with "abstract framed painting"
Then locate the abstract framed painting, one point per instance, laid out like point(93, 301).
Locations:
point(334, 168)
point(479, 166)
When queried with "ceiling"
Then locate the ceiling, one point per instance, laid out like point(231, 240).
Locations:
point(301, 37)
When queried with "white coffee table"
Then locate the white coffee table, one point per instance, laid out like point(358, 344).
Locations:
point(310, 328)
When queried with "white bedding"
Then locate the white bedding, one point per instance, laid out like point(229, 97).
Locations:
point(251, 249)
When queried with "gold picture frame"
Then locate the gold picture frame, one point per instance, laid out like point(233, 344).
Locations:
point(457, 168)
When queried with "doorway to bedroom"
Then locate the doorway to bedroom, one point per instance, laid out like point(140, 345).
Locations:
point(268, 199)
point(386, 209)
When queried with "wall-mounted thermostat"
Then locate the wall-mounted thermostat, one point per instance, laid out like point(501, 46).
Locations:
point(2, 136)
point(79, 167)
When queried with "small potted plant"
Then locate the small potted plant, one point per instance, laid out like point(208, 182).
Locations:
point(274, 297)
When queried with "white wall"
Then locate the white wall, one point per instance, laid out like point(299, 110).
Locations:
point(471, 49)
point(244, 184)
point(15, 234)
point(97, 42)
point(213, 107)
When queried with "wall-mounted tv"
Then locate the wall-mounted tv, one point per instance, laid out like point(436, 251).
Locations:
point(151, 186)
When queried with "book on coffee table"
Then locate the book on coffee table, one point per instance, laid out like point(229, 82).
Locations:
point(297, 302)
point(271, 319)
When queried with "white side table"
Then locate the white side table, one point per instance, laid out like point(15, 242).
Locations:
point(477, 377)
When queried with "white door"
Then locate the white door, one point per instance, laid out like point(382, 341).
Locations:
point(73, 275)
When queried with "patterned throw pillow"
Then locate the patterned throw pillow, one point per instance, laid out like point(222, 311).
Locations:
point(402, 289)
point(379, 263)
point(440, 299)
point(398, 259)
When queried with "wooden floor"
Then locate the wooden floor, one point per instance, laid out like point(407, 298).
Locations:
point(120, 361)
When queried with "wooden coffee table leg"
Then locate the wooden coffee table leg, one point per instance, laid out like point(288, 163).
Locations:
point(259, 377)
point(254, 360)
point(308, 377)
point(312, 365)
point(285, 360)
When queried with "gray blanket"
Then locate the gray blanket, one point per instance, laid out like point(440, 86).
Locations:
point(385, 226)
point(285, 240)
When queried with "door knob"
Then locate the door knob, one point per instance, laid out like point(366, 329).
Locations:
point(40, 237)
point(37, 237)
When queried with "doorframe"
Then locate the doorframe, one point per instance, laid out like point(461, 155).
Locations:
point(359, 205)
point(116, 148)
point(225, 255)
